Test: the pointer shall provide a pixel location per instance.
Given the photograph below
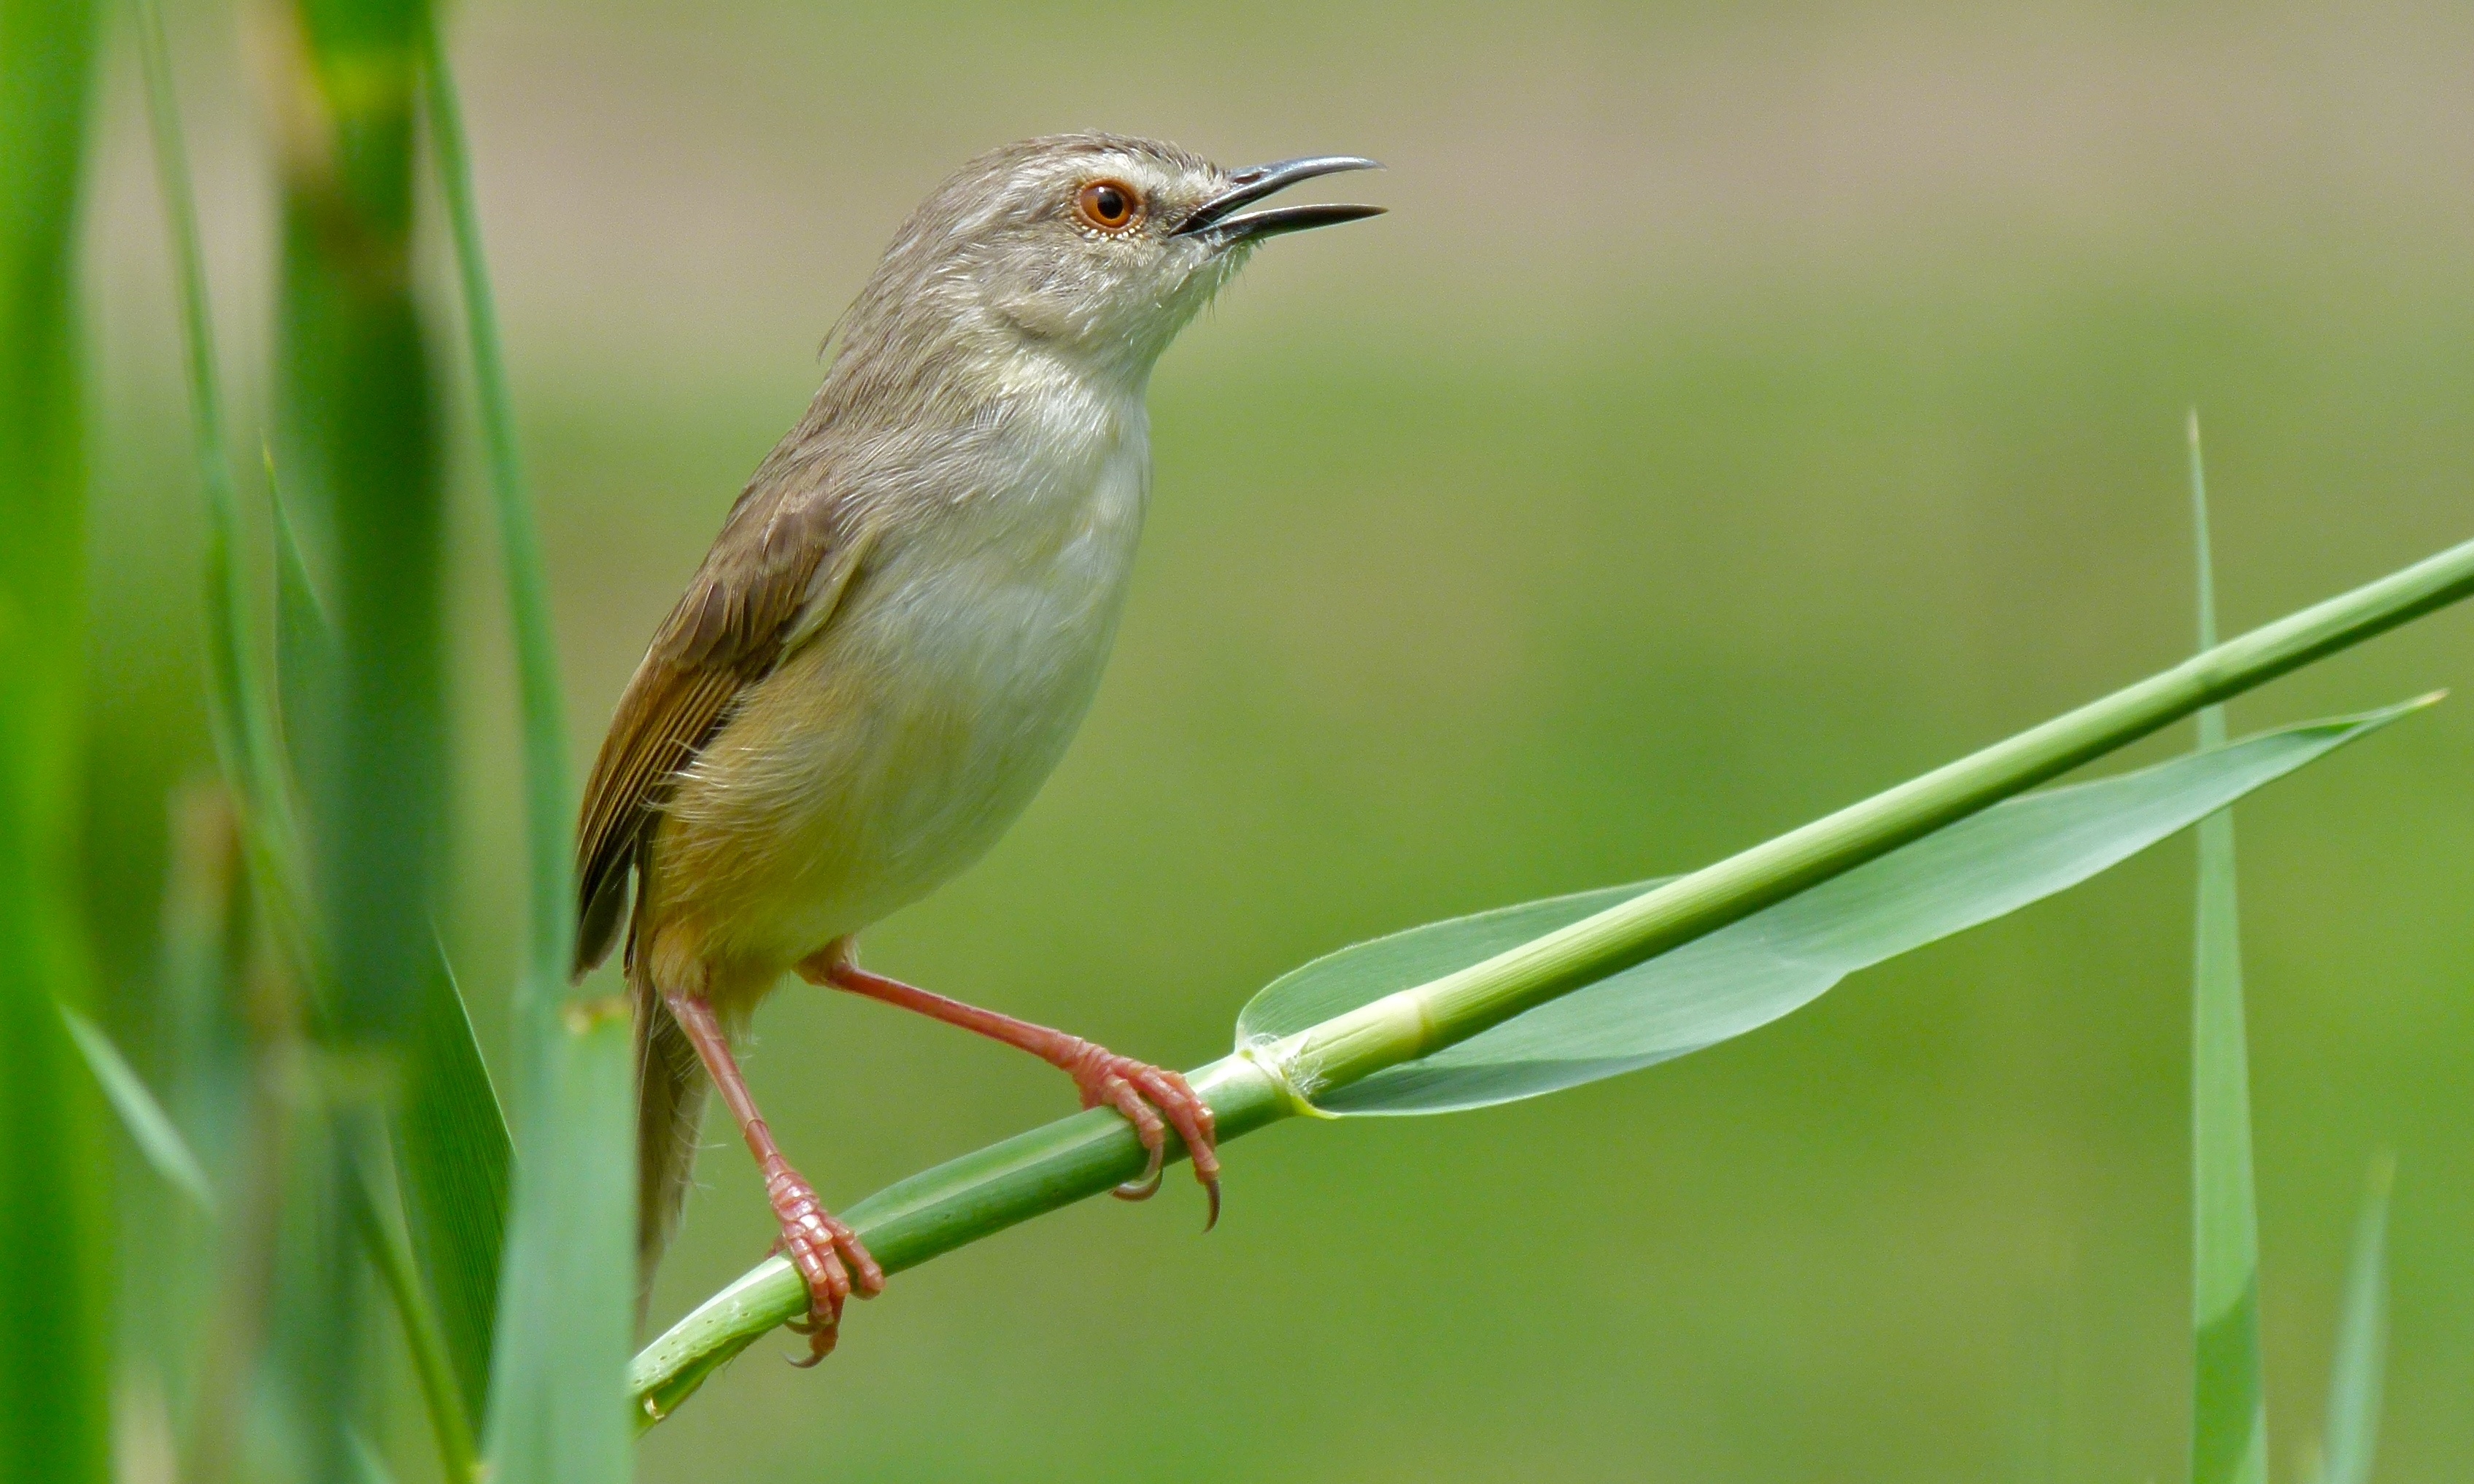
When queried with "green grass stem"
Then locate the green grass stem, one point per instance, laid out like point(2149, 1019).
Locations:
point(56, 1178)
point(970, 1198)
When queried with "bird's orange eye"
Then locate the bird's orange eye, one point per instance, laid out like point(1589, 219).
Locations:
point(1110, 206)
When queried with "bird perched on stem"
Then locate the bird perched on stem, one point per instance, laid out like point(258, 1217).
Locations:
point(895, 636)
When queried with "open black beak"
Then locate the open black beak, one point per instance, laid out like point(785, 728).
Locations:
point(1261, 180)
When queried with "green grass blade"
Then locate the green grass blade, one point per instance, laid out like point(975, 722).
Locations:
point(2229, 1403)
point(202, 959)
point(1753, 971)
point(566, 1307)
point(2355, 1380)
point(370, 1462)
point(451, 1157)
point(451, 1419)
point(203, 1032)
point(557, 1408)
point(235, 693)
point(550, 814)
point(243, 724)
point(150, 1128)
point(304, 644)
point(53, 1324)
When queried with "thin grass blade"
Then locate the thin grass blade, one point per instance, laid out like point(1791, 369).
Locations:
point(1766, 965)
point(304, 644)
point(204, 1033)
point(2228, 1400)
point(549, 812)
point(150, 1128)
point(558, 1400)
point(370, 1462)
point(450, 1417)
point(452, 1157)
point(237, 702)
point(2355, 1381)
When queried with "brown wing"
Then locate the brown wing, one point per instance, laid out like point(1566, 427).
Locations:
point(757, 588)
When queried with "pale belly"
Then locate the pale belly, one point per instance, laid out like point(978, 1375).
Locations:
point(891, 751)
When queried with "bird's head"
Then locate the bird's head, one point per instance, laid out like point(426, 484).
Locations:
point(1094, 248)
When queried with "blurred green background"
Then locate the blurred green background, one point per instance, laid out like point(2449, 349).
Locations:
point(1744, 408)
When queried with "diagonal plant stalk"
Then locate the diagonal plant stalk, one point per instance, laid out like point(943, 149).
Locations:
point(1071, 1160)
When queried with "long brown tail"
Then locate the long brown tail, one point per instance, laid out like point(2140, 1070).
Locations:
point(670, 1085)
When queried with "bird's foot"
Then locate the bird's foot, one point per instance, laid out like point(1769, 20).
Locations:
point(831, 1258)
point(1152, 1098)
point(1148, 1097)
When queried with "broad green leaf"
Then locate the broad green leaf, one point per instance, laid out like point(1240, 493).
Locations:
point(150, 1128)
point(1751, 973)
point(2228, 1400)
point(2354, 1383)
point(451, 1154)
point(55, 1178)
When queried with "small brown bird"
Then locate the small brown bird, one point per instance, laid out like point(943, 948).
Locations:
point(897, 633)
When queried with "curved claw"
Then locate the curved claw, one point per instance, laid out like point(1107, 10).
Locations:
point(1145, 1188)
point(831, 1259)
point(1120, 1094)
point(1154, 1100)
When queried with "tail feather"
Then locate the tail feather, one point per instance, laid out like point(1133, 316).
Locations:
point(670, 1086)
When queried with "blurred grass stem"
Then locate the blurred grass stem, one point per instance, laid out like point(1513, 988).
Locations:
point(2228, 1396)
point(390, 1253)
point(54, 1305)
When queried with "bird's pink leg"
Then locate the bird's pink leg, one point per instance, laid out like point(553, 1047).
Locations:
point(817, 1244)
point(1145, 1094)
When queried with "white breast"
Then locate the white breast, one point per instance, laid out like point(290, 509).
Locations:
point(891, 751)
